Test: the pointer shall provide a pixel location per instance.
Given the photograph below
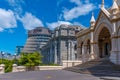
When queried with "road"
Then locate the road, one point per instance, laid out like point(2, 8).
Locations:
point(48, 75)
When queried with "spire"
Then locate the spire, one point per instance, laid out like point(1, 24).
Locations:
point(103, 3)
point(115, 6)
point(92, 21)
point(92, 18)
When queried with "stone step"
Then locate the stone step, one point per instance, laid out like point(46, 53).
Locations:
point(97, 72)
point(99, 67)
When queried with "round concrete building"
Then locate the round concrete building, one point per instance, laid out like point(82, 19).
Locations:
point(37, 38)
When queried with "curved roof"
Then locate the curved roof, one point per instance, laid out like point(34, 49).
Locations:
point(40, 30)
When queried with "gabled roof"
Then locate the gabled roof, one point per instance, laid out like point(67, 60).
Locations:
point(107, 15)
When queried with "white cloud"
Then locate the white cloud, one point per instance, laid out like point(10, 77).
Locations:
point(79, 10)
point(76, 2)
point(17, 5)
point(30, 21)
point(55, 24)
point(79, 24)
point(7, 19)
point(13, 2)
point(1, 29)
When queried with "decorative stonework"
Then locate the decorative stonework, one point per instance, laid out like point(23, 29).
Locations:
point(105, 40)
point(61, 47)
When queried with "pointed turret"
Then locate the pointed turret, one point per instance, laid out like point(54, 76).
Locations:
point(115, 9)
point(92, 21)
point(115, 6)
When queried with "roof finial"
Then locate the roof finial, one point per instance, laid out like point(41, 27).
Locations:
point(92, 18)
point(92, 21)
point(103, 3)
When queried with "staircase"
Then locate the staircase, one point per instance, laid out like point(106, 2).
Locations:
point(98, 67)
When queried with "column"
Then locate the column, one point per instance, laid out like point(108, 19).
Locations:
point(84, 53)
point(115, 53)
point(59, 52)
point(78, 52)
point(55, 54)
point(118, 50)
point(50, 53)
point(72, 51)
point(2, 68)
point(92, 46)
point(69, 50)
point(14, 68)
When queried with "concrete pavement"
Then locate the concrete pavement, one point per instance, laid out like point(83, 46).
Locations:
point(52, 75)
point(47, 75)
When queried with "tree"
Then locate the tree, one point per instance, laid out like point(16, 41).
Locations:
point(30, 60)
point(8, 64)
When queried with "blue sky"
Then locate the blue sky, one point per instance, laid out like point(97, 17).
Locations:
point(19, 16)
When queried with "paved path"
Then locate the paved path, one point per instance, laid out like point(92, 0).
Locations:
point(47, 75)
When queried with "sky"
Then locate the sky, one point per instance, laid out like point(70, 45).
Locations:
point(19, 16)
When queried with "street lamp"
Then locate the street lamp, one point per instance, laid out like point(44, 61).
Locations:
point(2, 53)
point(15, 58)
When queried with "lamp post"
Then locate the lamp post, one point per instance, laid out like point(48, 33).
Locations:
point(15, 58)
point(2, 53)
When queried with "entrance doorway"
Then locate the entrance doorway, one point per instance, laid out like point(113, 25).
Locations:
point(104, 43)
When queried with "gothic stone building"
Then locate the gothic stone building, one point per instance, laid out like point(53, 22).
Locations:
point(62, 45)
point(102, 39)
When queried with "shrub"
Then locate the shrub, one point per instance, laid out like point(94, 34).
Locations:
point(8, 64)
point(30, 60)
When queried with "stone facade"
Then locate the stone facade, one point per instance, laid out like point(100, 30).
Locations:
point(37, 38)
point(102, 39)
point(62, 45)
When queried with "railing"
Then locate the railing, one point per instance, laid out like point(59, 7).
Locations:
point(37, 68)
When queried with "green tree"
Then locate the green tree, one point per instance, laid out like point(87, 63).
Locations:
point(8, 64)
point(30, 60)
